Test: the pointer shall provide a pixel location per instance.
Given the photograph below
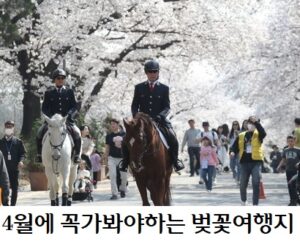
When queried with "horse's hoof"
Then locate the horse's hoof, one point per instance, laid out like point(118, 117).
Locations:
point(69, 201)
point(56, 201)
point(53, 203)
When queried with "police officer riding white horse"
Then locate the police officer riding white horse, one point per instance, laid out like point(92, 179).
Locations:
point(60, 100)
point(152, 97)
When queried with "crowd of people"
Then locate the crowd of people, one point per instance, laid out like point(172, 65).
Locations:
point(241, 146)
point(238, 150)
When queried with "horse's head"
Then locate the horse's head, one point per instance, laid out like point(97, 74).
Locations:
point(57, 133)
point(138, 139)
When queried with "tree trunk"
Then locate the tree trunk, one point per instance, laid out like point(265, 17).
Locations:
point(31, 112)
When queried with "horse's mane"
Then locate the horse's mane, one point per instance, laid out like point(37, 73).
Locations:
point(147, 120)
point(55, 120)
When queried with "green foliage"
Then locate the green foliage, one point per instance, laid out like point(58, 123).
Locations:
point(98, 129)
point(30, 145)
point(11, 11)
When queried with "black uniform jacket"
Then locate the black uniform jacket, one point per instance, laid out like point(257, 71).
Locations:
point(17, 151)
point(62, 102)
point(153, 103)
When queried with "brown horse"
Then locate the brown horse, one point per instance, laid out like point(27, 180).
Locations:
point(149, 160)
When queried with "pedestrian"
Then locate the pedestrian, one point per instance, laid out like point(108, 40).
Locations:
point(249, 147)
point(87, 145)
point(235, 161)
point(209, 161)
point(190, 137)
point(291, 159)
point(96, 166)
point(213, 137)
point(244, 125)
point(4, 181)
point(275, 158)
point(113, 155)
point(14, 154)
point(222, 145)
point(152, 97)
point(297, 132)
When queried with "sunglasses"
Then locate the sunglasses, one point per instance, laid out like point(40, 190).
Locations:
point(235, 124)
point(152, 71)
point(60, 78)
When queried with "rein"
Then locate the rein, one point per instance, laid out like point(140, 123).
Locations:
point(59, 146)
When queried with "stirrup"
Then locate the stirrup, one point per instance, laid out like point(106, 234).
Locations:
point(77, 159)
point(178, 165)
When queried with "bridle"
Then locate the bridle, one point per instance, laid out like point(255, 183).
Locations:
point(59, 146)
point(146, 152)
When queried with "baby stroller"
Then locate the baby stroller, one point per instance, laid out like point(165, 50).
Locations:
point(82, 194)
point(86, 194)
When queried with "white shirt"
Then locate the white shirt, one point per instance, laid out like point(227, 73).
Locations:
point(83, 173)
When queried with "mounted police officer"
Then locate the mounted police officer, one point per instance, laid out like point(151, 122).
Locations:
point(60, 100)
point(152, 97)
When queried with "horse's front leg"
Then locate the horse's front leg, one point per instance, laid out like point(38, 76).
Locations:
point(65, 186)
point(143, 191)
point(51, 183)
point(73, 175)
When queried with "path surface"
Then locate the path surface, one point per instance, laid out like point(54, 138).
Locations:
point(185, 192)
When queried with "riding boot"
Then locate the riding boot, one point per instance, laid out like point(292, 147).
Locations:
point(77, 142)
point(124, 163)
point(173, 143)
point(77, 149)
point(39, 139)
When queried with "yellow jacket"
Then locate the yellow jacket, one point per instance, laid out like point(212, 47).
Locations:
point(257, 151)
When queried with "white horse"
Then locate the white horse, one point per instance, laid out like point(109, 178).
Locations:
point(56, 155)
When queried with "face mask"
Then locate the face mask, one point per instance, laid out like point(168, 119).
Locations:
point(251, 127)
point(9, 131)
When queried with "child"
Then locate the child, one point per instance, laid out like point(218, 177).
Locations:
point(209, 161)
point(83, 177)
point(291, 158)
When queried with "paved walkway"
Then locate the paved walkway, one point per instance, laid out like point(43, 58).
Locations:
point(185, 192)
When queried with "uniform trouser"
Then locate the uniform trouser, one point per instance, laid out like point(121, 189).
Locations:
point(14, 184)
point(72, 129)
point(292, 187)
point(194, 152)
point(247, 169)
point(112, 166)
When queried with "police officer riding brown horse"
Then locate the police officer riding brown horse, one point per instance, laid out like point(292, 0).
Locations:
point(152, 97)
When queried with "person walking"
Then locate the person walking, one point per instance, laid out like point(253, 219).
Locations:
point(234, 160)
point(291, 159)
point(248, 146)
point(4, 181)
point(209, 161)
point(14, 154)
point(189, 138)
point(276, 158)
point(113, 155)
point(297, 132)
point(96, 166)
